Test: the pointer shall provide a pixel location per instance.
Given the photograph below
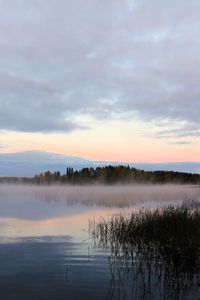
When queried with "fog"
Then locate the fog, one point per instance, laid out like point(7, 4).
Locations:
point(60, 210)
point(104, 195)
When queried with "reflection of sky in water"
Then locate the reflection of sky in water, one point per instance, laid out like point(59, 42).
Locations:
point(45, 252)
point(33, 208)
point(74, 225)
point(27, 216)
point(60, 211)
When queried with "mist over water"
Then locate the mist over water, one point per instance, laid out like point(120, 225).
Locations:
point(58, 210)
point(105, 195)
point(44, 237)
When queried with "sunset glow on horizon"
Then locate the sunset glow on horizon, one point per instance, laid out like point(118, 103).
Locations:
point(116, 82)
point(95, 145)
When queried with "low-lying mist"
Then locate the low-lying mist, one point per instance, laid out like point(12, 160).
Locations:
point(104, 195)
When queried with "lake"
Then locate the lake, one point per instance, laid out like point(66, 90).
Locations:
point(46, 251)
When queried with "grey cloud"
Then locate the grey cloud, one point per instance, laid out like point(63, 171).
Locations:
point(61, 58)
point(182, 131)
point(33, 162)
point(182, 143)
point(31, 106)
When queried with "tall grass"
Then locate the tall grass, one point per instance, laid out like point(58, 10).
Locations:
point(163, 244)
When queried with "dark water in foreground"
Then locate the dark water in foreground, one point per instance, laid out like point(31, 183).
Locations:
point(51, 271)
point(46, 253)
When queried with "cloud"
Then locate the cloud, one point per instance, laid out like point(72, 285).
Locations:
point(30, 163)
point(182, 143)
point(61, 58)
point(180, 131)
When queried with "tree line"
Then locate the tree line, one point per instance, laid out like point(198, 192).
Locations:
point(113, 175)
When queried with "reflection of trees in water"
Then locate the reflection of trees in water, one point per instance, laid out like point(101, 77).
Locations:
point(113, 196)
point(154, 254)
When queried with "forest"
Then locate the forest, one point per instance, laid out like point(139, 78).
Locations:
point(106, 175)
point(113, 175)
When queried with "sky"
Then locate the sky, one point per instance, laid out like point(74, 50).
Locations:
point(113, 80)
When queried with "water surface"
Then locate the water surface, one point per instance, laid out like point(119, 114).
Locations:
point(45, 249)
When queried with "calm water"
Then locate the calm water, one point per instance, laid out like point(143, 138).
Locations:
point(45, 249)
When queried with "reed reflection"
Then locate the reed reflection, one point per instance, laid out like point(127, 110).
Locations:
point(155, 252)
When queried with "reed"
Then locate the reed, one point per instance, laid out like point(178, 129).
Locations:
point(166, 240)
